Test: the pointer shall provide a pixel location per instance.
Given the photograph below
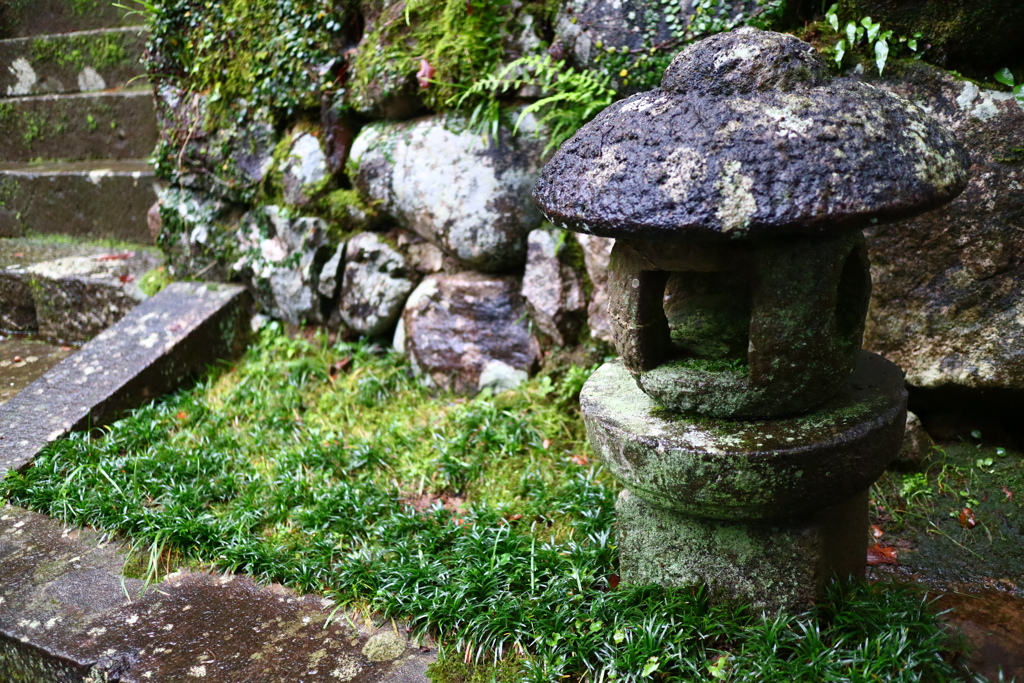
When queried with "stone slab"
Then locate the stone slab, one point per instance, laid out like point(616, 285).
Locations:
point(158, 345)
point(40, 17)
point(67, 613)
point(85, 61)
point(104, 125)
point(92, 199)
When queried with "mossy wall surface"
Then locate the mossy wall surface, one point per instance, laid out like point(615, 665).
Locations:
point(239, 82)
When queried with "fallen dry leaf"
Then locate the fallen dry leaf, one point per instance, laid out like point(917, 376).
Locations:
point(116, 257)
point(876, 531)
point(1009, 493)
point(182, 415)
point(878, 554)
point(580, 460)
point(967, 518)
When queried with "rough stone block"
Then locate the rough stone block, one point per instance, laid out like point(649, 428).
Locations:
point(948, 298)
point(747, 470)
point(468, 331)
point(161, 343)
point(105, 125)
point(68, 290)
point(98, 199)
point(469, 197)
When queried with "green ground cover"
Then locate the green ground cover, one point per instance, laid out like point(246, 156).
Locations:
point(484, 522)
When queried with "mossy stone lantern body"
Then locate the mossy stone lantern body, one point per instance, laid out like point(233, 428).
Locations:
point(738, 290)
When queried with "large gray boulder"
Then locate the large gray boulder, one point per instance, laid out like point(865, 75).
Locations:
point(948, 299)
point(552, 287)
point(468, 332)
point(468, 195)
point(376, 282)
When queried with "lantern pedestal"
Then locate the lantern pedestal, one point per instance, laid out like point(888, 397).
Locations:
point(763, 511)
point(772, 566)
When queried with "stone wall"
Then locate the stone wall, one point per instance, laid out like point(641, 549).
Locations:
point(373, 173)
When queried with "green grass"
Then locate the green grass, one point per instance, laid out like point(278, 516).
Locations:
point(483, 522)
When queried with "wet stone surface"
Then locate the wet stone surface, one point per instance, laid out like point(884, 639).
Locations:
point(68, 614)
point(770, 565)
point(69, 290)
point(24, 359)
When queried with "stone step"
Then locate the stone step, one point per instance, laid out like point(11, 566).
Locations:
point(86, 61)
point(154, 349)
point(20, 18)
point(70, 614)
point(117, 124)
point(85, 199)
point(69, 290)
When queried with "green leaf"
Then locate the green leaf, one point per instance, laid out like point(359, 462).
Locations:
point(650, 667)
point(1004, 76)
point(840, 51)
point(851, 33)
point(881, 54)
point(912, 44)
point(832, 17)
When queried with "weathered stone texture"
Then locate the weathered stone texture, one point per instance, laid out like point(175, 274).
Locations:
point(469, 196)
point(106, 199)
point(377, 280)
point(94, 125)
point(552, 287)
point(741, 120)
point(747, 470)
point(67, 614)
point(65, 64)
point(773, 566)
point(596, 253)
point(468, 331)
point(283, 256)
point(948, 304)
point(229, 161)
point(305, 170)
point(77, 297)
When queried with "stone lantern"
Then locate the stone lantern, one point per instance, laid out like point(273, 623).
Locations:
point(743, 418)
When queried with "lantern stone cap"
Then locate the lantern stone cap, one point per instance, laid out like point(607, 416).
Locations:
point(750, 136)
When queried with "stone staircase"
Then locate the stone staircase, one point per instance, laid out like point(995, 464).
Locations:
point(77, 123)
